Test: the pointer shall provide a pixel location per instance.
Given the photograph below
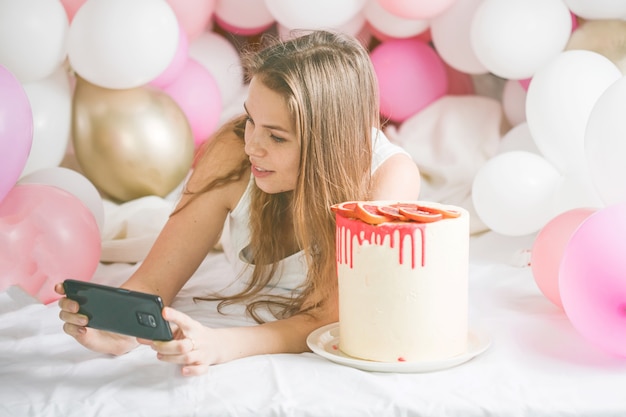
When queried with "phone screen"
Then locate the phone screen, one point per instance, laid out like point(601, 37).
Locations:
point(120, 310)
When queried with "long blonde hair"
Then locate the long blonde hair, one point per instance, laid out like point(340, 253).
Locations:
point(330, 87)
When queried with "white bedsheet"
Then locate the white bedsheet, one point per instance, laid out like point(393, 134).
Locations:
point(537, 365)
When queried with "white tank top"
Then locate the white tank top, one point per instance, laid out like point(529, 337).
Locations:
point(292, 270)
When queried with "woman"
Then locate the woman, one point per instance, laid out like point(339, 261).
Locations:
point(308, 140)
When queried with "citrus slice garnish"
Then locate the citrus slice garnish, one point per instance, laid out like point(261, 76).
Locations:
point(392, 212)
point(447, 214)
point(369, 213)
point(373, 212)
point(345, 209)
point(417, 214)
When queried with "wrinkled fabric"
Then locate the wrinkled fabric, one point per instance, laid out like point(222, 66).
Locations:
point(450, 140)
point(537, 364)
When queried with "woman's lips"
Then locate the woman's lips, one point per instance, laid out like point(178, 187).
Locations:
point(259, 172)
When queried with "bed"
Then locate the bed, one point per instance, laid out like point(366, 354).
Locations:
point(536, 364)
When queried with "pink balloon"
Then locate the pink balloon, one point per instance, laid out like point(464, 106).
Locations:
point(46, 236)
point(193, 15)
point(198, 96)
point(16, 130)
point(243, 17)
point(176, 66)
point(416, 9)
point(548, 248)
point(410, 77)
point(592, 279)
point(71, 7)
point(525, 83)
point(386, 25)
point(575, 23)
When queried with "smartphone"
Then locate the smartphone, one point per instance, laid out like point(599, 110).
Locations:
point(120, 310)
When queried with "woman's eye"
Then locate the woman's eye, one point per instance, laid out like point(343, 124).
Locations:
point(249, 120)
point(277, 139)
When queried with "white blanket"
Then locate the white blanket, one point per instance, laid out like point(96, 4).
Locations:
point(537, 365)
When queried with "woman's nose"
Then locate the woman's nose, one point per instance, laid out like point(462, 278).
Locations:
point(254, 145)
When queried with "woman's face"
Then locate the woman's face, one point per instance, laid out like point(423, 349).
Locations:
point(271, 141)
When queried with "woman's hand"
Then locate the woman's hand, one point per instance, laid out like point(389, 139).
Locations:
point(193, 346)
point(93, 339)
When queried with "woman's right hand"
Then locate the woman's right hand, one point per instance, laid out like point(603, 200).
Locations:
point(97, 340)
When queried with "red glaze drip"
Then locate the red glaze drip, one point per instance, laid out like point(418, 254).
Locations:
point(348, 229)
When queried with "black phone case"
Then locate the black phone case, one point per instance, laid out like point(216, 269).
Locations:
point(119, 310)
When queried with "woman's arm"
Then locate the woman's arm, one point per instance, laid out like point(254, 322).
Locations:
point(398, 178)
point(197, 223)
point(183, 243)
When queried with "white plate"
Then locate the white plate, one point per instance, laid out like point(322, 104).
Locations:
point(325, 341)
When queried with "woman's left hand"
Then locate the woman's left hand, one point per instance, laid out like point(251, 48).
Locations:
point(192, 346)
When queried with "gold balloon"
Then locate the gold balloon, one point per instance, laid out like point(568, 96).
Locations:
point(605, 37)
point(130, 143)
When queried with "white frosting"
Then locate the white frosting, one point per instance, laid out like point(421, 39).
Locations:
point(394, 304)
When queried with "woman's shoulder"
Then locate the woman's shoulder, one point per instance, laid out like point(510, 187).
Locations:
point(383, 149)
point(395, 175)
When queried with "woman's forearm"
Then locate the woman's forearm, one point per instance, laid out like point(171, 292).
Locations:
point(281, 336)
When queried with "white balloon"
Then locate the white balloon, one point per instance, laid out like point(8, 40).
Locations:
point(122, 44)
point(51, 103)
point(74, 183)
point(513, 193)
point(605, 146)
point(514, 38)
point(518, 139)
point(391, 25)
point(222, 60)
point(450, 32)
point(514, 102)
point(245, 14)
point(33, 36)
point(353, 27)
point(318, 14)
point(597, 9)
point(560, 98)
